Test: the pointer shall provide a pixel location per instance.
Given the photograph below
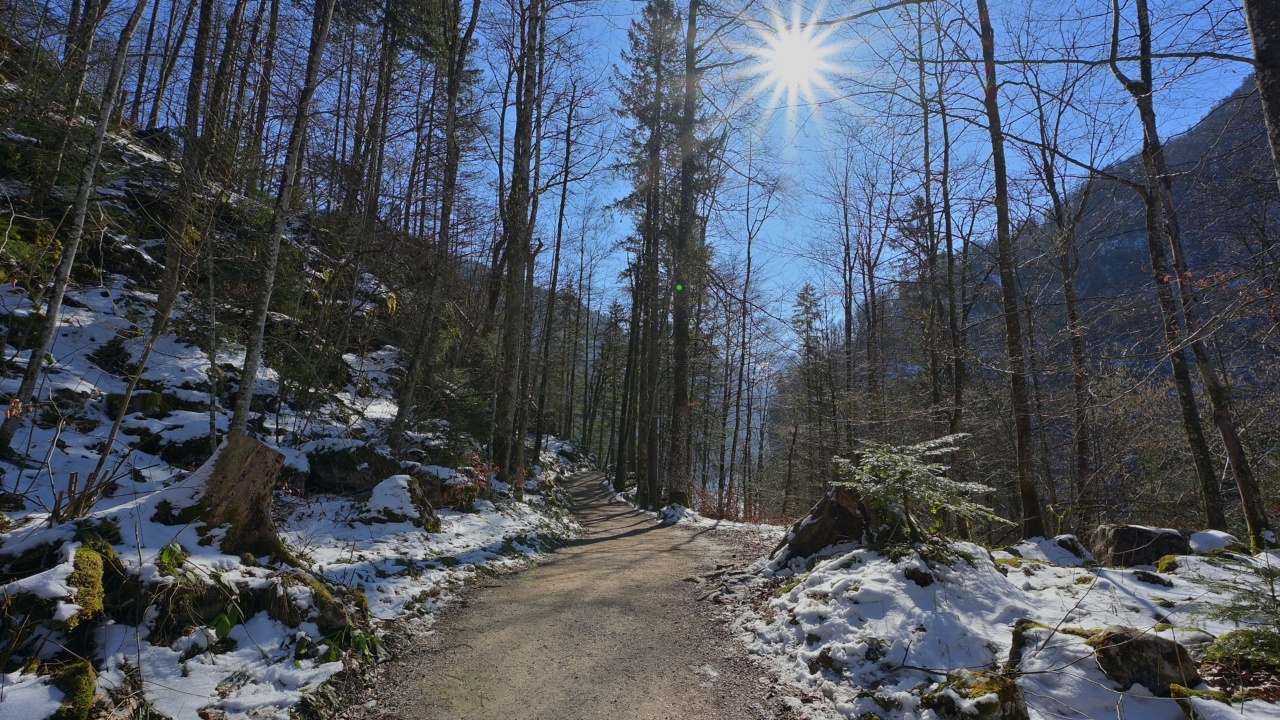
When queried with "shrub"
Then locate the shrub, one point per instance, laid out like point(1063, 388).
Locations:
point(908, 480)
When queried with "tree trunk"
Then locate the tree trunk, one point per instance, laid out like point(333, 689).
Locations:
point(427, 346)
point(238, 494)
point(79, 211)
point(545, 356)
point(686, 274)
point(1264, 28)
point(1032, 513)
point(515, 233)
point(1160, 188)
point(171, 53)
point(144, 63)
point(625, 433)
point(262, 94)
point(284, 201)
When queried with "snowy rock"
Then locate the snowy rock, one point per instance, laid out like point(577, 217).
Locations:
point(1066, 550)
point(1129, 657)
point(1129, 545)
point(399, 498)
point(1210, 540)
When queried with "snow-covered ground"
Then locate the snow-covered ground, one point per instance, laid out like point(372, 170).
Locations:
point(873, 634)
point(243, 661)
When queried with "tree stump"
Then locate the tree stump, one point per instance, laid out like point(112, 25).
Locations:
point(238, 495)
point(838, 517)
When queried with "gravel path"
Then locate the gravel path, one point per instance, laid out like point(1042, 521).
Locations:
point(607, 627)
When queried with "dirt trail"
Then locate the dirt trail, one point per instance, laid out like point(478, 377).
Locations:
point(606, 628)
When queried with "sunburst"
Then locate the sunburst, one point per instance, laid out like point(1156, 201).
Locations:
point(794, 60)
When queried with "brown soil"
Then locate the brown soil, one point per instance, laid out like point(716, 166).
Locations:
point(609, 627)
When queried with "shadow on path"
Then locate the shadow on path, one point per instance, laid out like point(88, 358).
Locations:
point(602, 629)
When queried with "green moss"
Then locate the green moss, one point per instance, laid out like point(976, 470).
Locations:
point(1179, 691)
point(79, 683)
point(114, 357)
point(151, 403)
point(886, 702)
point(167, 514)
point(1020, 639)
point(1167, 564)
point(1161, 627)
point(1004, 700)
point(1085, 579)
point(31, 248)
point(86, 579)
point(1009, 562)
point(896, 552)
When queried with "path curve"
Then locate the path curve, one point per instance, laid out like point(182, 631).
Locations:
point(606, 628)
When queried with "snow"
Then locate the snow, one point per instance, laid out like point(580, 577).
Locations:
point(258, 675)
point(403, 570)
point(29, 697)
point(869, 632)
point(680, 515)
point(1059, 550)
point(406, 573)
point(1210, 540)
point(392, 497)
point(50, 584)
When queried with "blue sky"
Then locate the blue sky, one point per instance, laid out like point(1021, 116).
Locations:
point(800, 135)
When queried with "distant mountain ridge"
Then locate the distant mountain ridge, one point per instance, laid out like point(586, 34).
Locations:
point(1224, 188)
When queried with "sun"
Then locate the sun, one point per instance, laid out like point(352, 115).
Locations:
point(794, 60)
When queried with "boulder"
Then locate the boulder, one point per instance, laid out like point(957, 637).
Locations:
point(1129, 545)
point(349, 471)
point(1129, 657)
point(400, 498)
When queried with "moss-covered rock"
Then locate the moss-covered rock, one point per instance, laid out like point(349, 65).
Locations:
point(401, 498)
point(114, 357)
point(86, 580)
point(982, 695)
point(1151, 578)
point(1129, 657)
point(1181, 692)
point(1167, 564)
point(150, 403)
point(79, 683)
point(189, 454)
point(349, 471)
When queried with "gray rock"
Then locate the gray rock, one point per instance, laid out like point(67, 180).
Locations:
point(349, 471)
point(1131, 657)
point(1130, 545)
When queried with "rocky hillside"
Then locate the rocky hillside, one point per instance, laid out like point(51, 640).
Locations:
point(127, 591)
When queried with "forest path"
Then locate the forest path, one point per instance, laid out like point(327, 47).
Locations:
point(606, 628)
